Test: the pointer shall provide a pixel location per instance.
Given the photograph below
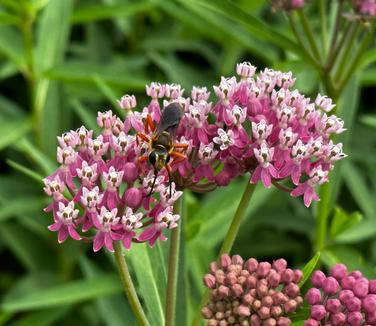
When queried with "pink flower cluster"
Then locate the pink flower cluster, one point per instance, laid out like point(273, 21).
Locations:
point(257, 124)
point(342, 298)
point(365, 7)
point(251, 292)
point(97, 189)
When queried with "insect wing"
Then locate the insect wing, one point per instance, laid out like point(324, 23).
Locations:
point(170, 119)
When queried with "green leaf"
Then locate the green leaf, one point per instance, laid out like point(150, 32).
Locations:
point(147, 282)
point(28, 172)
point(12, 131)
point(358, 188)
point(100, 12)
point(8, 19)
point(255, 26)
point(84, 72)
point(349, 256)
point(309, 268)
point(11, 46)
point(64, 294)
point(114, 309)
point(53, 33)
point(42, 318)
point(343, 221)
point(21, 205)
point(368, 119)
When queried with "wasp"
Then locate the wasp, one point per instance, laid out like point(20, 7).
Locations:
point(163, 150)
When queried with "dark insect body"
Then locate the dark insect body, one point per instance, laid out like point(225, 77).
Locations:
point(163, 150)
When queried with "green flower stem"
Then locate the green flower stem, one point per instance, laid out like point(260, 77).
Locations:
point(229, 238)
point(322, 216)
point(349, 46)
point(299, 38)
point(354, 65)
point(310, 36)
point(323, 18)
point(173, 264)
point(128, 286)
point(237, 219)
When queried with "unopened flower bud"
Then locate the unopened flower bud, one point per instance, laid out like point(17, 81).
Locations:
point(263, 269)
point(318, 278)
point(290, 306)
point(333, 305)
point(361, 288)
point(283, 321)
point(338, 271)
point(313, 296)
point(372, 287)
point(237, 290)
point(243, 311)
point(237, 260)
point(270, 322)
point(318, 312)
point(275, 311)
point(133, 197)
point(251, 265)
point(287, 276)
point(264, 312)
point(130, 172)
point(353, 304)
point(330, 285)
point(354, 318)
point(311, 322)
point(209, 281)
point(338, 319)
point(274, 278)
point(225, 261)
point(280, 265)
point(347, 283)
point(369, 303)
point(298, 275)
point(206, 313)
point(292, 290)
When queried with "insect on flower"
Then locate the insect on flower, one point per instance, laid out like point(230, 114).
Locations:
point(163, 150)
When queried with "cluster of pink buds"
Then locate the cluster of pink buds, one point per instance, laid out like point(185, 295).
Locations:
point(98, 191)
point(365, 8)
point(251, 292)
point(342, 298)
point(288, 5)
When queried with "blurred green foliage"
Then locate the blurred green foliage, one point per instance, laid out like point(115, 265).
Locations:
point(62, 60)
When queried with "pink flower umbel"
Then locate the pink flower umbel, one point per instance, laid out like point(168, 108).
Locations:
point(251, 292)
point(342, 298)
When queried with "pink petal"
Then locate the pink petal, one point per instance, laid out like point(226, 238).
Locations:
point(299, 190)
point(55, 227)
point(147, 234)
point(272, 170)
point(256, 175)
point(98, 241)
point(108, 241)
point(202, 136)
point(265, 177)
point(73, 233)
point(127, 241)
point(116, 236)
point(63, 234)
point(308, 196)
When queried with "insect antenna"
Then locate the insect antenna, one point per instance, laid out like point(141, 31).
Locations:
point(153, 184)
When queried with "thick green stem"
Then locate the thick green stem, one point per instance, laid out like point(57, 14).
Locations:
point(229, 238)
point(354, 65)
point(299, 38)
point(128, 286)
point(310, 35)
point(322, 216)
point(347, 51)
point(324, 31)
point(237, 219)
point(173, 264)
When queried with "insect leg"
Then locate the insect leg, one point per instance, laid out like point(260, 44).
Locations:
point(168, 168)
point(178, 157)
point(153, 184)
point(141, 136)
point(149, 124)
point(179, 145)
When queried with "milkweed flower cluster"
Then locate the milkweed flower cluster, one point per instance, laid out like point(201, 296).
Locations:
point(256, 124)
point(97, 189)
point(366, 8)
point(343, 298)
point(251, 292)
